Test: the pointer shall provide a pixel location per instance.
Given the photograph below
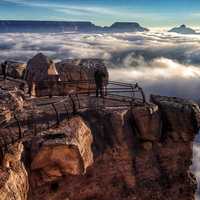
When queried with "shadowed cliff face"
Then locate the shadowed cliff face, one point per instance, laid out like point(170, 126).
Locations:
point(140, 153)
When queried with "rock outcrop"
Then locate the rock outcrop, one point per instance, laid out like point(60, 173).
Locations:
point(47, 79)
point(10, 102)
point(62, 151)
point(81, 70)
point(14, 183)
point(140, 153)
point(16, 69)
point(40, 69)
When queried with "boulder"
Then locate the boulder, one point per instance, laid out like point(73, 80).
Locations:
point(181, 117)
point(14, 183)
point(40, 69)
point(81, 70)
point(147, 121)
point(62, 151)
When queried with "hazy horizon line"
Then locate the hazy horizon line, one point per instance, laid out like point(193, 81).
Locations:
point(101, 25)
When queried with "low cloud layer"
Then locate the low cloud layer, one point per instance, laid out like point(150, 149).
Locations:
point(164, 63)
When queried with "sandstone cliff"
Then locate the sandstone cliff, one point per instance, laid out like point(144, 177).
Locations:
point(14, 183)
point(142, 153)
point(10, 103)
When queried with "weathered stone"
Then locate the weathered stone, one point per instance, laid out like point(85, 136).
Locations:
point(147, 121)
point(180, 116)
point(62, 151)
point(10, 102)
point(147, 146)
point(16, 69)
point(81, 70)
point(40, 69)
point(14, 183)
point(134, 167)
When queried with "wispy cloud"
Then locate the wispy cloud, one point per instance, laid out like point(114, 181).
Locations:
point(72, 9)
point(91, 11)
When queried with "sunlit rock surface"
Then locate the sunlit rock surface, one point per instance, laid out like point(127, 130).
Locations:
point(15, 69)
point(133, 161)
point(40, 69)
point(81, 69)
point(62, 151)
point(10, 102)
point(141, 152)
point(14, 183)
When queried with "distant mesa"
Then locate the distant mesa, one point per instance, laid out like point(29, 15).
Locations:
point(125, 27)
point(12, 26)
point(183, 29)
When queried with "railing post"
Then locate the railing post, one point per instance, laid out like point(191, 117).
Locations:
point(2, 148)
point(19, 126)
point(133, 94)
point(89, 82)
point(73, 105)
point(34, 124)
point(66, 111)
point(143, 95)
point(57, 115)
point(79, 105)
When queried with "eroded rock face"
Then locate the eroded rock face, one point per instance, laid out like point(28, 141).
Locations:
point(134, 156)
point(10, 102)
point(147, 122)
point(13, 175)
point(16, 69)
point(62, 151)
point(83, 70)
point(40, 69)
point(80, 69)
point(180, 117)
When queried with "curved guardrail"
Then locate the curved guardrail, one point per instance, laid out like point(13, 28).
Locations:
point(22, 127)
point(88, 87)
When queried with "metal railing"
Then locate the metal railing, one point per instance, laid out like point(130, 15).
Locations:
point(88, 87)
point(23, 126)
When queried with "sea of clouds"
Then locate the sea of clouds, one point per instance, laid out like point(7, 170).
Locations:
point(162, 63)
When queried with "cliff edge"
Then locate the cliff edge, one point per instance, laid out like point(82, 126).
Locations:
point(143, 153)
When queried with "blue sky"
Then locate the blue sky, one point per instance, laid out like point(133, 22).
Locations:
point(149, 13)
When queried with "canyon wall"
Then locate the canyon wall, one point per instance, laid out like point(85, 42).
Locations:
point(140, 153)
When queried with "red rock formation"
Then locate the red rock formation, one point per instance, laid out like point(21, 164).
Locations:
point(40, 69)
point(10, 102)
point(13, 176)
point(141, 153)
point(144, 153)
point(66, 150)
